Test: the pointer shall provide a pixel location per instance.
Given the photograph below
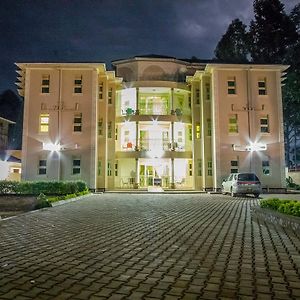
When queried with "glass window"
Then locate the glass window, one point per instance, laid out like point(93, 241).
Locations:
point(100, 127)
point(44, 122)
point(199, 171)
point(190, 168)
point(110, 93)
point(234, 166)
point(45, 84)
point(262, 87)
point(207, 91)
point(78, 84)
point(99, 167)
point(198, 132)
point(197, 94)
point(264, 124)
point(266, 167)
point(100, 92)
point(109, 130)
point(208, 127)
point(109, 171)
point(233, 124)
point(231, 86)
point(42, 169)
point(116, 168)
point(76, 166)
point(209, 168)
point(190, 132)
point(77, 126)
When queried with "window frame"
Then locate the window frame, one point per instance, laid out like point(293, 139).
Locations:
point(231, 88)
point(42, 167)
point(77, 89)
point(77, 122)
point(75, 166)
point(43, 124)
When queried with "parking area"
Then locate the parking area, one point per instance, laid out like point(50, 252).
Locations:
point(148, 246)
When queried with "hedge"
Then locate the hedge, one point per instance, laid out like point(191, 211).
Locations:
point(44, 187)
point(289, 207)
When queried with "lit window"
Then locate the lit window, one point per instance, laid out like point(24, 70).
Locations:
point(231, 86)
point(77, 126)
point(100, 93)
point(45, 84)
point(99, 167)
point(234, 166)
point(233, 124)
point(109, 130)
point(264, 124)
point(262, 87)
point(44, 122)
point(266, 167)
point(116, 168)
point(76, 166)
point(209, 168)
point(110, 96)
point(198, 132)
point(109, 171)
point(78, 84)
point(208, 127)
point(100, 127)
point(207, 90)
point(199, 163)
point(197, 92)
point(42, 170)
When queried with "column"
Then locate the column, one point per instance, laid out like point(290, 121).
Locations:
point(136, 136)
point(137, 175)
point(172, 174)
point(137, 112)
point(172, 102)
point(172, 136)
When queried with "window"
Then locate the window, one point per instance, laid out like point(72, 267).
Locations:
point(78, 84)
point(233, 124)
point(198, 132)
point(109, 130)
point(234, 166)
point(99, 167)
point(190, 101)
point(209, 168)
point(76, 166)
point(100, 92)
point(262, 90)
point(197, 96)
point(44, 122)
point(45, 84)
point(199, 170)
point(208, 127)
point(42, 167)
point(77, 126)
point(190, 132)
point(207, 91)
point(100, 127)
point(264, 124)
point(116, 133)
point(190, 168)
point(116, 168)
point(266, 167)
point(231, 86)
point(109, 172)
point(110, 96)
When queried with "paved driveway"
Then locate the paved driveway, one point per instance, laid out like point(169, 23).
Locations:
point(141, 246)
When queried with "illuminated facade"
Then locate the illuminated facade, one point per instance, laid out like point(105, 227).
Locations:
point(158, 122)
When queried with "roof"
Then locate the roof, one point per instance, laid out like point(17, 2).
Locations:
point(6, 120)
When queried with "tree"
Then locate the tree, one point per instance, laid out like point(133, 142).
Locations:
point(272, 32)
point(295, 17)
point(233, 46)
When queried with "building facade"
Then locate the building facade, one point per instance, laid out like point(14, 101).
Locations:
point(155, 121)
point(4, 131)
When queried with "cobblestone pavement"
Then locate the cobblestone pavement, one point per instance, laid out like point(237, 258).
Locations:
point(141, 246)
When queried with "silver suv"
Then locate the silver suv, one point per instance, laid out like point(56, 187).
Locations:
point(242, 183)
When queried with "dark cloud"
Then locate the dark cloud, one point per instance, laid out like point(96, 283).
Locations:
point(104, 30)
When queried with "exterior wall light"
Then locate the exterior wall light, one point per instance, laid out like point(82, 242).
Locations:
point(51, 147)
point(256, 147)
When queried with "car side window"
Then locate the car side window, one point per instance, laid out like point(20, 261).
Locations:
point(235, 177)
point(229, 178)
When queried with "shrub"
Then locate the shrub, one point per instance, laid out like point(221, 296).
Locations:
point(290, 207)
point(42, 202)
point(69, 196)
point(45, 187)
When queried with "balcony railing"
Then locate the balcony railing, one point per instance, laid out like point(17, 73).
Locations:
point(155, 145)
point(156, 111)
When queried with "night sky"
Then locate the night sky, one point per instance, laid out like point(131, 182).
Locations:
point(102, 31)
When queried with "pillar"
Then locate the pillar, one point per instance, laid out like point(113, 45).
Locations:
point(137, 175)
point(172, 174)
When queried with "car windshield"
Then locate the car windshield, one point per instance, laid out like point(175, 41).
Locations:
point(247, 177)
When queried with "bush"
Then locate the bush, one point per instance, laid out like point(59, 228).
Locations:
point(44, 187)
point(291, 184)
point(42, 202)
point(69, 196)
point(290, 207)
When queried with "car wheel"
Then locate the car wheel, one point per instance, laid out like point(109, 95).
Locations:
point(256, 195)
point(223, 191)
point(232, 193)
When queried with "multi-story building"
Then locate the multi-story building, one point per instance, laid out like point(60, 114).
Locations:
point(158, 121)
point(4, 130)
